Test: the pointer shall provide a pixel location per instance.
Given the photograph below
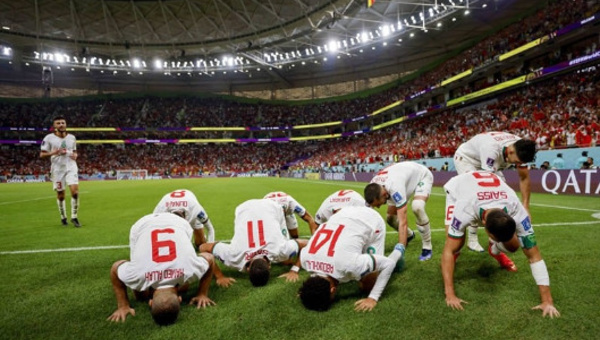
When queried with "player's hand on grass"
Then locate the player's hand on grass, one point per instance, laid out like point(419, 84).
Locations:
point(225, 282)
point(121, 314)
point(548, 309)
point(365, 305)
point(455, 303)
point(202, 301)
point(290, 276)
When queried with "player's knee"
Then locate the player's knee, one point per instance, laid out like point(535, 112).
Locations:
point(418, 208)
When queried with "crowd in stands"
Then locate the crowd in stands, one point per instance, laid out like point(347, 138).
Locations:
point(557, 113)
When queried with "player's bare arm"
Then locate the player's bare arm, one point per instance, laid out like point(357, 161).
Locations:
point(524, 186)
point(450, 248)
point(123, 307)
point(311, 222)
point(292, 275)
point(202, 300)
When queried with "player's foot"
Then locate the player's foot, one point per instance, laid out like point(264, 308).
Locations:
point(64, 221)
point(504, 261)
point(425, 255)
point(475, 246)
point(75, 222)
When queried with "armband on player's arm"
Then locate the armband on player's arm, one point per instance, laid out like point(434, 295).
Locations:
point(540, 273)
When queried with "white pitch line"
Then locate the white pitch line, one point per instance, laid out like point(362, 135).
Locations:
point(16, 252)
point(36, 199)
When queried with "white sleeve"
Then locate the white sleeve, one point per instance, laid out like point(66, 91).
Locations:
point(385, 267)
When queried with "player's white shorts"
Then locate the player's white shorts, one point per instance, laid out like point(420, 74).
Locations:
point(462, 166)
point(63, 178)
point(424, 186)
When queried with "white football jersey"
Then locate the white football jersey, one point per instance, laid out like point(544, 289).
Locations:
point(343, 247)
point(403, 180)
point(61, 162)
point(469, 194)
point(289, 204)
point(485, 151)
point(161, 254)
point(260, 230)
point(183, 199)
point(336, 201)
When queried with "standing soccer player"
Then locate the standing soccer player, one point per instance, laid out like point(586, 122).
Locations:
point(61, 147)
point(495, 151)
point(482, 198)
point(395, 185)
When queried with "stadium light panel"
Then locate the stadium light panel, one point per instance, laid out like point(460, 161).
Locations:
point(333, 46)
point(467, 12)
point(158, 64)
point(59, 58)
point(385, 30)
point(364, 36)
point(136, 63)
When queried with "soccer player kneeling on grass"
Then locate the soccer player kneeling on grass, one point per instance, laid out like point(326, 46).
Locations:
point(260, 237)
point(163, 263)
point(185, 200)
point(482, 198)
point(349, 247)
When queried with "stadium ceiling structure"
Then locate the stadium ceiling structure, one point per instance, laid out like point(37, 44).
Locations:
point(273, 43)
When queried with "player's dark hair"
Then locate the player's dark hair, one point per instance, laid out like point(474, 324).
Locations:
point(315, 293)
point(372, 192)
point(525, 149)
point(500, 224)
point(259, 272)
point(165, 309)
point(59, 117)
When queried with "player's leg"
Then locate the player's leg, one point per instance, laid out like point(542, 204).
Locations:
point(58, 184)
point(73, 183)
point(418, 208)
point(472, 239)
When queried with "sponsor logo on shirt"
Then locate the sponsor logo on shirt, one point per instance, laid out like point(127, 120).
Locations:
point(397, 197)
point(456, 224)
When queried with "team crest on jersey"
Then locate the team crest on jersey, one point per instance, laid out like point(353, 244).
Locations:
point(397, 197)
point(490, 162)
point(526, 223)
point(456, 224)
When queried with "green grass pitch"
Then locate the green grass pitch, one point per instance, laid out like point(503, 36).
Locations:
point(55, 280)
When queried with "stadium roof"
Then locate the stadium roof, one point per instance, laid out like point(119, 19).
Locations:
point(260, 43)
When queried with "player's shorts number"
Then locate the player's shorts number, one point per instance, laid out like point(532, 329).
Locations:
point(157, 245)
point(329, 235)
